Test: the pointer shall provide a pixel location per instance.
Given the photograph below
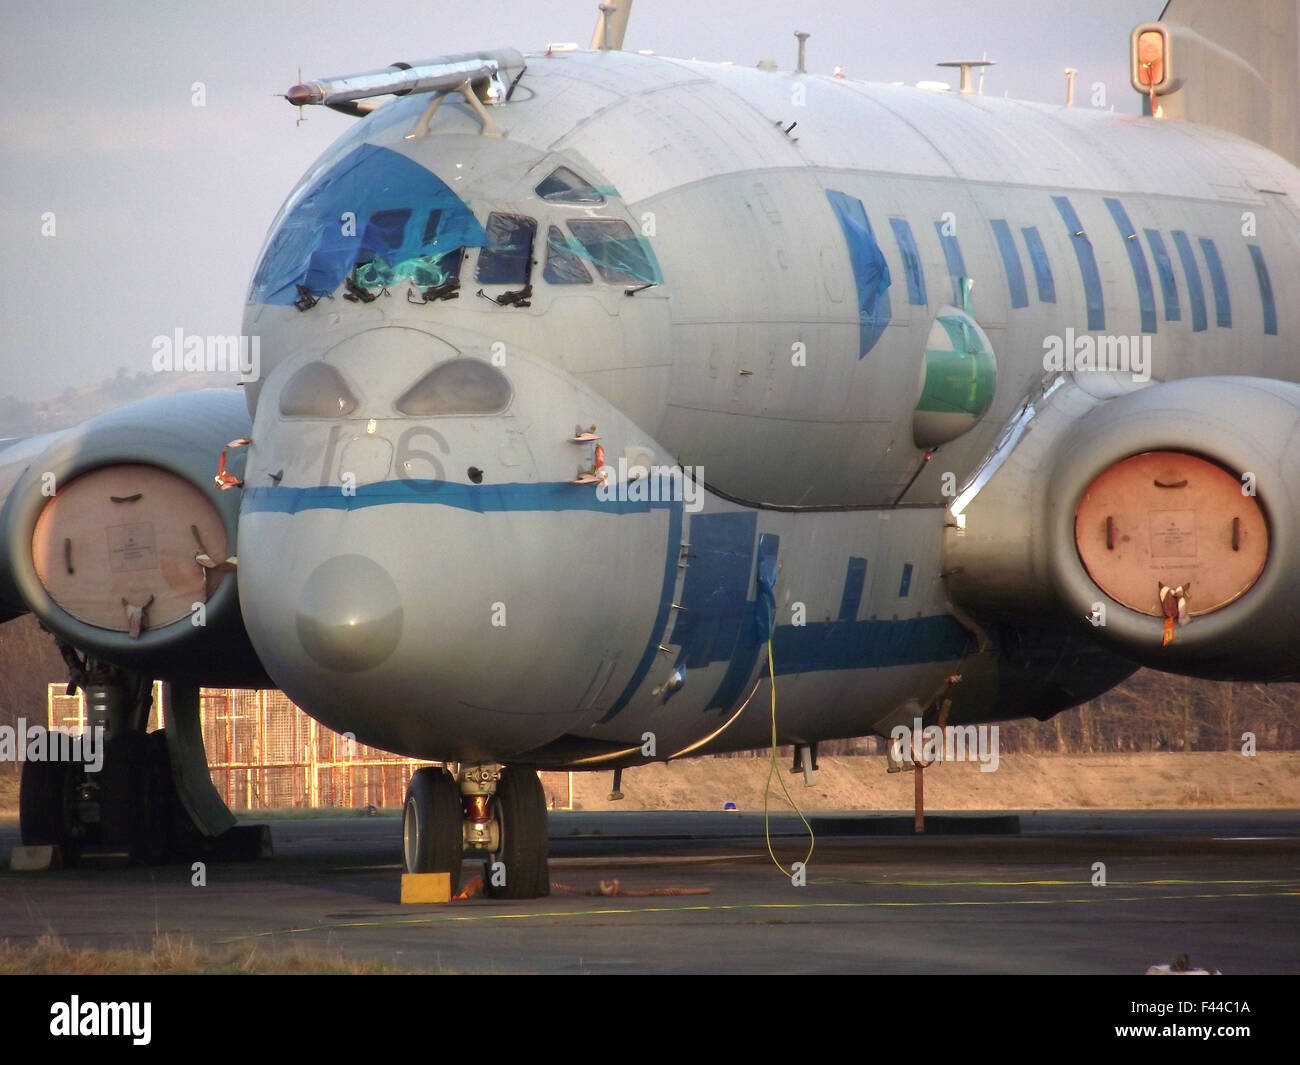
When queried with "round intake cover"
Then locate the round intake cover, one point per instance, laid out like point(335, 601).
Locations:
point(1173, 519)
point(127, 532)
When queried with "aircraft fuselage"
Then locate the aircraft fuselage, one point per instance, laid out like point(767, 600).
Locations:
point(831, 322)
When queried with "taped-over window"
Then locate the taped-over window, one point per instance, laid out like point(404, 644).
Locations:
point(953, 257)
point(424, 272)
point(1042, 268)
point(562, 266)
point(912, 268)
point(386, 230)
point(563, 185)
point(1087, 264)
point(509, 252)
point(1138, 260)
point(870, 271)
point(1011, 262)
point(618, 254)
point(375, 211)
point(1219, 281)
point(1165, 271)
point(1265, 289)
point(855, 579)
point(387, 234)
point(317, 391)
point(1195, 290)
point(461, 386)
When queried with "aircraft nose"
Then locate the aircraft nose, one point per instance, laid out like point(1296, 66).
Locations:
point(349, 614)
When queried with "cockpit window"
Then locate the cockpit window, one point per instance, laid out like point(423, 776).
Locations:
point(426, 271)
point(565, 186)
point(373, 211)
point(509, 252)
point(461, 386)
point(317, 391)
point(431, 226)
point(386, 230)
point(563, 267)
point(619, 254)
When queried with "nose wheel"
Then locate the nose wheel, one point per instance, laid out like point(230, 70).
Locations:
point(499, 813)
point(432, 840)
point(518, 868)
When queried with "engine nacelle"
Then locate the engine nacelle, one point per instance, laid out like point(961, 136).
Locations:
point(1191, 485)
point(118, 540)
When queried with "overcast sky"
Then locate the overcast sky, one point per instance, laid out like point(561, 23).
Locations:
point(160, 206)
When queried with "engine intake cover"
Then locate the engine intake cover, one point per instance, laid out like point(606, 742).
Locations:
point(1172, 519)
point(127, 536)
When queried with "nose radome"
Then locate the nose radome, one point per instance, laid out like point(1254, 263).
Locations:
point(349, 614)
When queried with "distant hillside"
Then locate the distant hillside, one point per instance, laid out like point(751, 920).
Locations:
point(76, 403)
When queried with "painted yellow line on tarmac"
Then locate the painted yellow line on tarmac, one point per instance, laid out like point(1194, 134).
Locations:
point(580, 863)
point(1044, 883)
point(1100, 896)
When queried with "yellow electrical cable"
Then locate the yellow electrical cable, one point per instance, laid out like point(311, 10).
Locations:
point(767, 787)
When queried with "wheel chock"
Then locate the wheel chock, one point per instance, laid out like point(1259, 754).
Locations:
point(37, 859)
point(242, 843)
point(424, 888)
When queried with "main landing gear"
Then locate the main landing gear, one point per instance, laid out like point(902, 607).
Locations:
point(496, 812)
point(123, 789)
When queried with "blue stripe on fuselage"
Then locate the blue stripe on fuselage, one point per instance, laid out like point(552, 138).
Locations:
point(832, 645)
point(715, 591)
point(661, 617)
point(482, 498)
point(809, 648)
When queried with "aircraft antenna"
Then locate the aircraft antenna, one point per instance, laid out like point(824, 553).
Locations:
point(803, 40)
point(611, 26)
point(965, 65)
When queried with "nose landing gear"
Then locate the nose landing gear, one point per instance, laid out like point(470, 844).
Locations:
point(496, 812)
point(431, 825)
point(518, 867)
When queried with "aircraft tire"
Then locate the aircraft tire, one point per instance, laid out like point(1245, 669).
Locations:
point(184, 840)
point(519, 807)
point(432, 837)
point(152, 799)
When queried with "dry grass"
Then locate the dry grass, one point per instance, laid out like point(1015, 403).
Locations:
point(173, 956)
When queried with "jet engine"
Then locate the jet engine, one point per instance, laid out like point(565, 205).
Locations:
point(127, 545)
point(1165, 521)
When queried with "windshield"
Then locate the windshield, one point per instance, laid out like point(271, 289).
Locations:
point(375, 211)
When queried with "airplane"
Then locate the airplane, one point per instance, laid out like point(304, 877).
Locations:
point(613, 408)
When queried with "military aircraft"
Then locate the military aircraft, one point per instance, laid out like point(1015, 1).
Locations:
point(598, 393)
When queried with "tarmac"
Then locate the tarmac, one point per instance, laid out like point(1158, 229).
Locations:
point(699, 893)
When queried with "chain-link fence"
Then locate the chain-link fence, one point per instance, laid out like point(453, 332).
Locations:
point(263, 752)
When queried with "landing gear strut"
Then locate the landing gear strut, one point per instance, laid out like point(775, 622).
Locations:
point(122, 800)
point(148, 794)
point(496, 812)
